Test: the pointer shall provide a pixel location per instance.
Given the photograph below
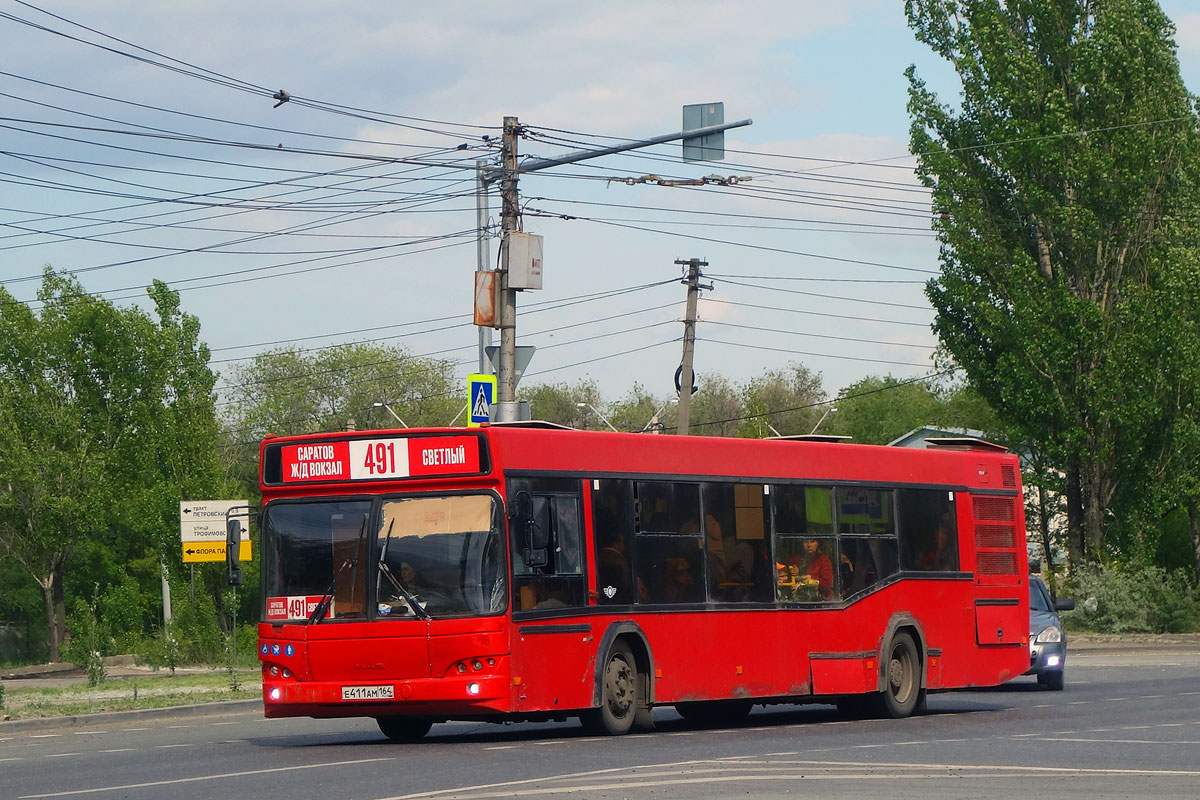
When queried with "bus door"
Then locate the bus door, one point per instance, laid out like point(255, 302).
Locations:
point(553, 650)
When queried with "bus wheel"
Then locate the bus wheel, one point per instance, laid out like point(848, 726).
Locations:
point(902, 692)
point(404, 729)
point(618, 695)
point(715, 712)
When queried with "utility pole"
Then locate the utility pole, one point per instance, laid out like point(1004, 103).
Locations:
point(686, 376)
point(482, 260)
point(506, 408)
point(506, 298)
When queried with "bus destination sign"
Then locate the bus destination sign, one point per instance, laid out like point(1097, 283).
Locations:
point(375, 459)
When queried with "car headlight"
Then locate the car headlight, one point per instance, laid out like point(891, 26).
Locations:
point(1050, 634)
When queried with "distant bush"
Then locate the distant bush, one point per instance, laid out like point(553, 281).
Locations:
point(196, 631)
point(1132, 599)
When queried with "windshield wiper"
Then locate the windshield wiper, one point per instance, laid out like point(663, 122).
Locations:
point(386, 571)
point(417, 608)
point(318, 613)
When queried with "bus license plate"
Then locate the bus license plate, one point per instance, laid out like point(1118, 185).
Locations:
point(369, 692)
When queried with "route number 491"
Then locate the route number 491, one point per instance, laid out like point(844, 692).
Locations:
point(380, 459)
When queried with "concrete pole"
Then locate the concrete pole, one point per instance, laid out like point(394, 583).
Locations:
point(482, 260)
point(686, 377)
point(506, 373)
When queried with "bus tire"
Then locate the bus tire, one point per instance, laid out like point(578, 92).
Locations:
point(715, 712)
point(404, 729)
point(618, 695)
point(902, 691)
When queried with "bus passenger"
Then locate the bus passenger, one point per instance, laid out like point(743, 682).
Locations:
point(815, 568)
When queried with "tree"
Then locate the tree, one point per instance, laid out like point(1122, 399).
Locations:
point(106, 415)
point(290, 391)
point(785, 400)
point(1063, 201)
point(559, 402)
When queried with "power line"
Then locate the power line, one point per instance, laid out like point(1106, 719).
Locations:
point(815, 313)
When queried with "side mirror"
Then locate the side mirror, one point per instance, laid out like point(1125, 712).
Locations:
point(233, 543)
point(534, 536)
point(1064, 604)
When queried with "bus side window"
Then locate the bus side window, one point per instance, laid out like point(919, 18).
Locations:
point(928, 530)
point(669, 543)
point(735, 526)
point(869, 551)
point(612, 526)
point(553, 575)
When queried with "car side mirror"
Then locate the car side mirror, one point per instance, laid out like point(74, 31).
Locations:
point(1064, 604)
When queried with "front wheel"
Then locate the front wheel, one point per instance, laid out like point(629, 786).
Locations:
point(1053, 681)
point(618, 695)
point(902, 691)
point(404, 729)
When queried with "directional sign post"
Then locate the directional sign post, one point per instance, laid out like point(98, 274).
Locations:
point(481, 393)
point(202, 529)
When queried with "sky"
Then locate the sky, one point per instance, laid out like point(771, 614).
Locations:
point(348, 214)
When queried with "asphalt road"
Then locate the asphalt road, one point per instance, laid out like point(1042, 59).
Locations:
point(1128, 724)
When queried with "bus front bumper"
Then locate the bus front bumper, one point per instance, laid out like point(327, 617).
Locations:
point(448, 697)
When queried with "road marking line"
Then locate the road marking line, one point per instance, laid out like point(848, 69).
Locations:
point(179, 726)
point(163, 746)
point(45, 736)
point(502, 747)
point(217, 776)
point(215, 724)
point(127, 730)
point(1122, 741)
point(119, 750)
point(62, 755)
point(14, 758)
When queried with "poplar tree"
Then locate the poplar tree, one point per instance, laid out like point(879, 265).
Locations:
point(1065, 207)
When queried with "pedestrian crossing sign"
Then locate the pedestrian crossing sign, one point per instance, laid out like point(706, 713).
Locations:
point(481, 393)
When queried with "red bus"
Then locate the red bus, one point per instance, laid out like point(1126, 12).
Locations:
point(530, 572)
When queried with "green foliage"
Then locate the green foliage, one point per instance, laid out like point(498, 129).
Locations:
point(786, 400)
point(1133, 599)
point(106, 420)
point(1069, 270)
point(1, 696)
point(196, 630)
point(559, 402)
point(91, 640)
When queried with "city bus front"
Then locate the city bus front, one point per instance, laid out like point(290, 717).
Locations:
point(383, 599)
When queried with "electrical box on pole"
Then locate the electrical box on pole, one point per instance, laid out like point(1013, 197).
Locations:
point(524, 260)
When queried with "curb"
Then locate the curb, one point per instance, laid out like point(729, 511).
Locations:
point(203, 709)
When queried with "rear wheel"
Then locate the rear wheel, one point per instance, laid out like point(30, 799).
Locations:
point(618, 695)
point(404, 729)
point(902, 692)
point(715, 712)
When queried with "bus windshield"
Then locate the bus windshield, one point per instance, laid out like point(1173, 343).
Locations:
point(396, 557)
point(440, 556)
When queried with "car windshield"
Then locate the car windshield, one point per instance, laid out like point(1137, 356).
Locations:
point(382, 559)
point(1037, 597)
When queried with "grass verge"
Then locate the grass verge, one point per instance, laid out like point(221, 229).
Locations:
point(127, 694)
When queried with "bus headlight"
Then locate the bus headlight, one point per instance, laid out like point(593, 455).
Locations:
point(472, 688)
point(1051, 634)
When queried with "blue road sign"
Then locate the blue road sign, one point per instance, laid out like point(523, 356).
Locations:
point(481, 393)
